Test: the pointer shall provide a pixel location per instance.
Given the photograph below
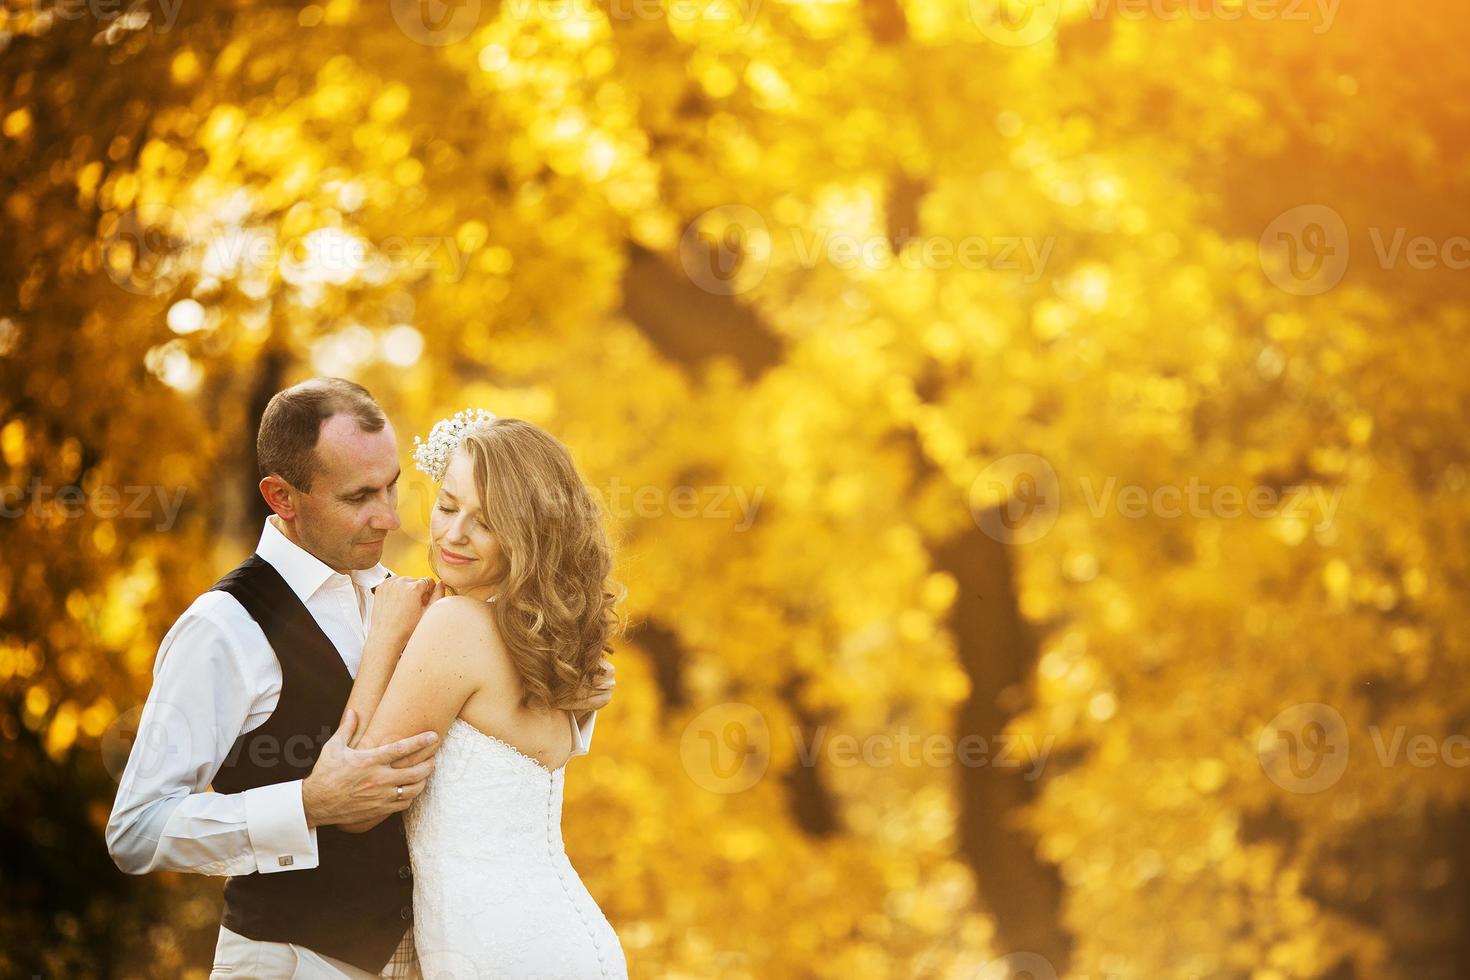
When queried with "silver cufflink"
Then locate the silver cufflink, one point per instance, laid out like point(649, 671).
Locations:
point(286, 861)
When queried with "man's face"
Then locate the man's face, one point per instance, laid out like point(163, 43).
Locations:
point(353, 502)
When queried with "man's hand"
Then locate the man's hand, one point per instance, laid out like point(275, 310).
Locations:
point(359, 787)
point(599, 695)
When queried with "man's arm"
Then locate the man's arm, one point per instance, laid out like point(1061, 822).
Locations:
point(164, 817)
point(584, 713)
point(584, 724)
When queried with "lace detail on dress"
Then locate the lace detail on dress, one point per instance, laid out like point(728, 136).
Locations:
point(494, 892)
point(515, 753)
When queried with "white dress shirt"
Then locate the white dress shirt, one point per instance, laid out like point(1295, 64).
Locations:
point(216, 678)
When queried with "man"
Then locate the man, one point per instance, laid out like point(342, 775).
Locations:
point(243, 764)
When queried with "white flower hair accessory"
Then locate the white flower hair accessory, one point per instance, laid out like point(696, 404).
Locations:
point(432, 457)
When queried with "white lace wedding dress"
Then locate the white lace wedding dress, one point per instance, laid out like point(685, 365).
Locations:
point(494, 893)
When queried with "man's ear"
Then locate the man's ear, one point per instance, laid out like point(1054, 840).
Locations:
point(278, 497)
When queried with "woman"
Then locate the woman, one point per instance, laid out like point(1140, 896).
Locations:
point(514, 632)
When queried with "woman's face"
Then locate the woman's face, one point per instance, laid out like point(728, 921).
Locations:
point(465, 555)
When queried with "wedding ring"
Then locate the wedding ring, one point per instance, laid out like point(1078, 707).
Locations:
point(398, 792)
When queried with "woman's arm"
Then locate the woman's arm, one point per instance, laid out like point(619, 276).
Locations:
point(379, 657)
point(398, 605)
point(442, 665)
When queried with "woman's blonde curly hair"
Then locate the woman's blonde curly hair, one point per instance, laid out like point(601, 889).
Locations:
point(554, 606)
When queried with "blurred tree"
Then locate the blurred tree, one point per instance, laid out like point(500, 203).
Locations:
point(869, 280)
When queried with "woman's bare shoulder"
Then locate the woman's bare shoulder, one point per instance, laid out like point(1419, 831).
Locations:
point(459, 611)
point(463, 631)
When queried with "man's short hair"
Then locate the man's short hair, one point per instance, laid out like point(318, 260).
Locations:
point(292, 423)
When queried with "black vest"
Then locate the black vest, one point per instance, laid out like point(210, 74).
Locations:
point(358, 902)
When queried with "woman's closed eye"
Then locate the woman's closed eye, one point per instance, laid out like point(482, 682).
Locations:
point(445, 509)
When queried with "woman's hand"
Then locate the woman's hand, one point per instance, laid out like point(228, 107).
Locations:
point(398, 605)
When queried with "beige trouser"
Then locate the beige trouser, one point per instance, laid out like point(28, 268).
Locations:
point(236, 958)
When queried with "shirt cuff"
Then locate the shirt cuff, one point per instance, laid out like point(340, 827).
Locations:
point(275, 819)
point(584, 735)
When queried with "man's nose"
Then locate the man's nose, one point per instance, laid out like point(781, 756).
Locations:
point(386, 519)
